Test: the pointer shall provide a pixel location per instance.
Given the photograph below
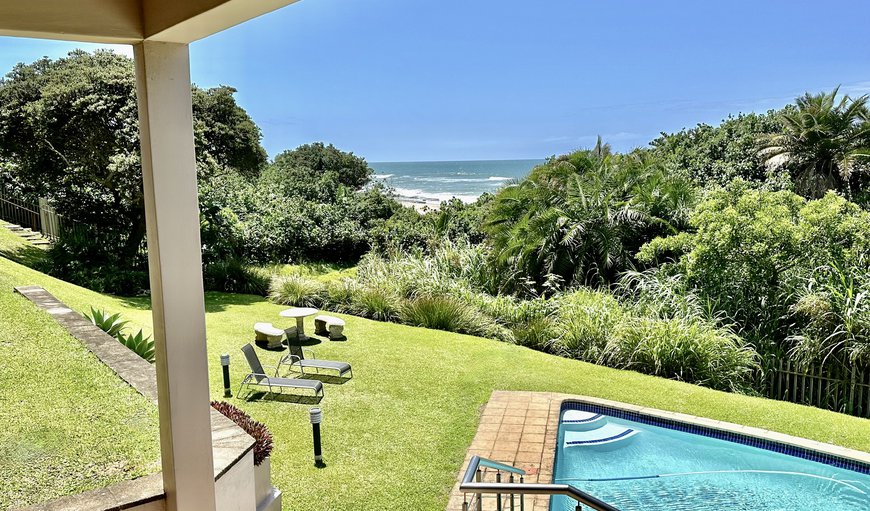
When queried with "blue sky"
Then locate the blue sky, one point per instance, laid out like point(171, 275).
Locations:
point(397, 80)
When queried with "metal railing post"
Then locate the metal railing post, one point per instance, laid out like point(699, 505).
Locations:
point(479, 495)
point(522, 496)
point(498, 495)
point(511, 480)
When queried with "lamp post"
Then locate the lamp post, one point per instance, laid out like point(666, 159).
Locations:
point(225, 365)
point(316, 417)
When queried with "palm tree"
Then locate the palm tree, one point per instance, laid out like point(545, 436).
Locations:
point(583, 216)
point(825, 143)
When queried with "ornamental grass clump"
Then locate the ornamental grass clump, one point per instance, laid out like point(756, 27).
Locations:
point(450, 314)
point(375, 302)
point(297, 291)
point(262, 437)
point(693, 352)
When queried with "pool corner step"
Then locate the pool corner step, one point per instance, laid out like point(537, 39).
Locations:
point(579, 420)
point(607, 436)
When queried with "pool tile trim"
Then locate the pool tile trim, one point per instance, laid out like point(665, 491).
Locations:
point(734, 433)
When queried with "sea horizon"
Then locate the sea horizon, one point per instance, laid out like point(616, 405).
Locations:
point(431, 182)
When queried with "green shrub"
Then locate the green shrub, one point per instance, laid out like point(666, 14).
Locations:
point(340, 293)
point(114, 326)
point(375, 302)
point(753, 249)
point(687, 351)
point(297, 291)
point(585, 322)
point(139, 344)
point(234, 276)
point(111, 324)
point(832, 312)
point(446, 313)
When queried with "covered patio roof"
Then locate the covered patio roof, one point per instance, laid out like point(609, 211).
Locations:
point(128, 21)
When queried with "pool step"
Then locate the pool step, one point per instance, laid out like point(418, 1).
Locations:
point(607, 436)
point(578, 420)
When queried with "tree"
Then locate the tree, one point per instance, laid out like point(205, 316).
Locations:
point(69, 132)
point(825, 144)
point(718, 154)
point(317, 162)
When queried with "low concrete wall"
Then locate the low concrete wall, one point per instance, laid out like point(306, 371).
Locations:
point(232, 446)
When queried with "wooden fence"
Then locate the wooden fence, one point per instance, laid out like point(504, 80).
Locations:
point(842, 389)
point(36, 216)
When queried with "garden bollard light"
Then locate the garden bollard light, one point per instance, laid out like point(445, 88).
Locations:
point(225, 363)
point(316, 416)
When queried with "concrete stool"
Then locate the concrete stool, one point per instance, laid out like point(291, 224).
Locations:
point(329, 325)
point(266, 332)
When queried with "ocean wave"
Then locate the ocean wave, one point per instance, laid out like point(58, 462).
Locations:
point(434, 198)
point(460, 179)
point(382, 176)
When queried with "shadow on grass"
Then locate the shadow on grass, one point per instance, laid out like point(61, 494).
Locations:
point(330, 379)
point(26, 254)
point(283, 398)
point(214, 301)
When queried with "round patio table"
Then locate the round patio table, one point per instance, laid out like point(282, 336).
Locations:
point(299, 313)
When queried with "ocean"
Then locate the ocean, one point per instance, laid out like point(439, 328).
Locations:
point(430, 182)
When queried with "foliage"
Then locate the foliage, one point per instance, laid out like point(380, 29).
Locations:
point(113, 325)
point(454, 221)
point(267, 222)
point(317, 170)
point(375, 302)
point(833, 312)
point(824, 144)
point(263, 442)
point(716, 155)
point(234, 276)
point(751, 247)
point(445, 313)
point(296, 290)
point(69, 130)
point(139, 344)
point(689, 351)
point(582, 216)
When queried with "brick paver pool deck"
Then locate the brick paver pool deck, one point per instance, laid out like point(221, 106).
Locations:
point(521, 429)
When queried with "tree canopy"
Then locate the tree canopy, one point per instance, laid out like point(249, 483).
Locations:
point(69, 132)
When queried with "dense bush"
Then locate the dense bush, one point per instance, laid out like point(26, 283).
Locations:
point(234, 276)
point(442, 290)
point(582, 216)
point(752, 250)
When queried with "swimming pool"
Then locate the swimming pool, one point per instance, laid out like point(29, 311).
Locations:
point(643, 463)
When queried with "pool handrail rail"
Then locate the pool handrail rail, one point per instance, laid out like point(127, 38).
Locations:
point(469, 485)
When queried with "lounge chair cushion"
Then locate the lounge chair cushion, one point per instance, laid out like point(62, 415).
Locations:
point(341, 367)
point(295, 383)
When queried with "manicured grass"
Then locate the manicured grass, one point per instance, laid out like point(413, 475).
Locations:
point(67, 423)
point(395, 436)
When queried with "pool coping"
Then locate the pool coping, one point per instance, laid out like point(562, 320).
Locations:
point(521, 429)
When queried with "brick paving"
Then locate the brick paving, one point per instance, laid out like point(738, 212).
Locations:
point(519, 429)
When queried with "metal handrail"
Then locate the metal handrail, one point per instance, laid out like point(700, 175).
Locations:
point(468, 485)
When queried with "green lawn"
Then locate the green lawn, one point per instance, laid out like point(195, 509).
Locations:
point(395, 435)
point(67, 423)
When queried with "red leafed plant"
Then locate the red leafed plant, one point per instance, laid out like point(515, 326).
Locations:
point(258, 430)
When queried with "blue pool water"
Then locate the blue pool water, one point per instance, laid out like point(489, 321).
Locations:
point(655, 468)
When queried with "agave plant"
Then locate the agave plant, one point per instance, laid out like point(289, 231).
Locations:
point(111, 324)
point(114, 326)
point(140, 344)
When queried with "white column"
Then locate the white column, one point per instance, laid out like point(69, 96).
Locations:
point(175, 266)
